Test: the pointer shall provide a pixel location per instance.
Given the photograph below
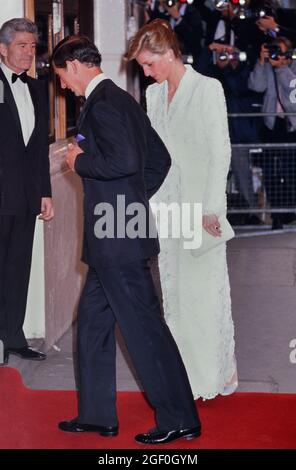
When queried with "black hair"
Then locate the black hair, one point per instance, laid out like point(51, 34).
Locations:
point(76, 48)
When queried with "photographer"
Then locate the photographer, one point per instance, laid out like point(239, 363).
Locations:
point(185, 21)
point(223, 63)
point(224, 26)
point(272, 75)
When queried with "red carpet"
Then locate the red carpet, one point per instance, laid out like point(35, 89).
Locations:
point(244, 420)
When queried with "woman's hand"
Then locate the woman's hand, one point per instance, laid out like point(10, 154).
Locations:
point(211, 224)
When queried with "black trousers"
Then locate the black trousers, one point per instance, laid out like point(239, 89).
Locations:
point(16, 242)
point(126, 295)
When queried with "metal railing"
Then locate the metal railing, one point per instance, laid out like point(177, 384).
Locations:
point(262, 177)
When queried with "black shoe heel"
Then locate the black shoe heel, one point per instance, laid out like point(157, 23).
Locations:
point(192, 436)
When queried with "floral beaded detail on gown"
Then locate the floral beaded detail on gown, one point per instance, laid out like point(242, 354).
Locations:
point(196, 292)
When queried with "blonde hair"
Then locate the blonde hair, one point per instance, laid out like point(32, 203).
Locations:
point(156, 37)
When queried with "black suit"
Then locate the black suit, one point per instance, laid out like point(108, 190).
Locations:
point(123, 155)
point(24, 180)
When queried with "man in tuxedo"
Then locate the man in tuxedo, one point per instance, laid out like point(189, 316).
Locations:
point(25, 189)
point(120, 154)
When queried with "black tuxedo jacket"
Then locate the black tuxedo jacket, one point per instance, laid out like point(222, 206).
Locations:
point(24, 169)
point(123, 155)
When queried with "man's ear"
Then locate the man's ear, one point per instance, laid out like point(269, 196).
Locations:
point(3, 49)
point(73, 65)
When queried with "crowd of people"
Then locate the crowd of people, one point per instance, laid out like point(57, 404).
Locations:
point(180, 153)
point(250, 50)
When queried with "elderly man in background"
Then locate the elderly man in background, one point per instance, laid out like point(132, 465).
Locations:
point(25, 189)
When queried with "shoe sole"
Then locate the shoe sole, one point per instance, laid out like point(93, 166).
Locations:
point(189, 437)
point(108, 434)
point(27, 358)
point(102, 433)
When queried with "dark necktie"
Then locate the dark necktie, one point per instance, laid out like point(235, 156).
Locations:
point(23, 77)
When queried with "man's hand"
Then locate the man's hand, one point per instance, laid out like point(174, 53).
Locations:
point(266, 23)
point(264, 54)
point(173, 12)
point(73, 151)
point(47, 211)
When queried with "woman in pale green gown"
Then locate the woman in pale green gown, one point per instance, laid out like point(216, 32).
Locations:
point(188, 111)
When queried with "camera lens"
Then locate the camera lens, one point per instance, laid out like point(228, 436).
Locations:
point(170, 3)
point(242, 56)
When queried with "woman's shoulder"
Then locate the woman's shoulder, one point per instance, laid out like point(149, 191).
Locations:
point(205, 82)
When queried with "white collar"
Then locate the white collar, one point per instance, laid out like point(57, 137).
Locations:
point(93, 83)
point(7, 72)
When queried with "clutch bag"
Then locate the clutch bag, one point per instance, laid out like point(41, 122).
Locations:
point(209, 241)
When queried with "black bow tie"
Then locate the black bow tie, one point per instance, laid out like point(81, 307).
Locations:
point(23, 77)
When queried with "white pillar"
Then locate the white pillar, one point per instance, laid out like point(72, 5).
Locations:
point(110, 19)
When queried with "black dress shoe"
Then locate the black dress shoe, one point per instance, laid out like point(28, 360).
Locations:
point(27, 353)
point(75, 426)
point(164, 437)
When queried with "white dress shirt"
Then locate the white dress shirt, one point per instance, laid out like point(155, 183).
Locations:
point(221, 32)
point(23, 101)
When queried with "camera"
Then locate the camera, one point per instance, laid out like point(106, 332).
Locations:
point(171, 3)
point(236, 55)
point(258, 14)
point(241, 11)
point(275, 52)
point(222, 4)
point(187, 59)
point(291, 54)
